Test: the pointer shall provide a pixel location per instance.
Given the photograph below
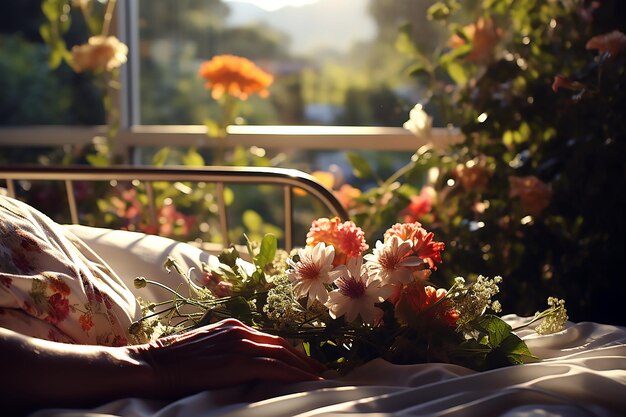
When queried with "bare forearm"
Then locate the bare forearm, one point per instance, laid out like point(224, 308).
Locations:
point(38, 373)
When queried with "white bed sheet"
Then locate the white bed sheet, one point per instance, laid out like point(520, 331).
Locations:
point(582, 372)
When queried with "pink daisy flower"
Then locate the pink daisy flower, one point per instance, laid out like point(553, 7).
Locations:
point(391, 262)
point(357, 295)
point(313, 270)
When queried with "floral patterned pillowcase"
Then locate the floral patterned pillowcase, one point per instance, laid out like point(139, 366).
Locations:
point(53, 287)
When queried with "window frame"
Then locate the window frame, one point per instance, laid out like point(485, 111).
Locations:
point(134, 135)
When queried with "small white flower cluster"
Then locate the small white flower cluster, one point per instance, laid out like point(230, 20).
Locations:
point(473, 301)
point(279, 264)
point(281, 306)
point(148, 328)
point(555, 317)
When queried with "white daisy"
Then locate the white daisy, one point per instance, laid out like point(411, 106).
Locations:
point(356, 294)
point(391, 263)
point(312, 271)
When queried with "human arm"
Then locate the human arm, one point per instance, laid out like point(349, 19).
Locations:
point(39, 373)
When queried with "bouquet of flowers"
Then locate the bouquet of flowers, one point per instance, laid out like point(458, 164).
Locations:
point(345, 306)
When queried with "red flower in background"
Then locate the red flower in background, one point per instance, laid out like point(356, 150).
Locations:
point(419, 205)
point(473, 176)
point(533, 193)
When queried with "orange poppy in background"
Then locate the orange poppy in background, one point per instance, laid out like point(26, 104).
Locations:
point(235, 76)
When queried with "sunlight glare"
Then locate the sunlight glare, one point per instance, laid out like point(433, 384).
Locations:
point(273, 5)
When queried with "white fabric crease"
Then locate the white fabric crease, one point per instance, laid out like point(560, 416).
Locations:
point(582, 373)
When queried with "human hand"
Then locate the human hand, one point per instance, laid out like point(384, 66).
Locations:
point(222, 355)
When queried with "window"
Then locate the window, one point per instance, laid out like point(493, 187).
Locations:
point(340, 83)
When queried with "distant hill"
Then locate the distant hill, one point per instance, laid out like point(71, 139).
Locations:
point(335, 24)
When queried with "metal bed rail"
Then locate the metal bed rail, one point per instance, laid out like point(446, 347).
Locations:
point(220, 176)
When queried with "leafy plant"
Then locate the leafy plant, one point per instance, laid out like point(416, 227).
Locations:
point(534, 191)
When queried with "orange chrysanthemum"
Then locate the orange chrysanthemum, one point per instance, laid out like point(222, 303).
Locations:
point(235, 76)
point(347, 238)
point(423, 244)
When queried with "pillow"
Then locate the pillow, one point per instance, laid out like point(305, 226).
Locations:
point(53, 286)
point(133, 254)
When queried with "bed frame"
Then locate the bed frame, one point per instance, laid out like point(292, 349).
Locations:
point(220, 176)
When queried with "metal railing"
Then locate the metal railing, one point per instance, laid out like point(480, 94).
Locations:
point(220, 176)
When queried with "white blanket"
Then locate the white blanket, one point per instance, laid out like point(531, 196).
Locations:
point(582, 372)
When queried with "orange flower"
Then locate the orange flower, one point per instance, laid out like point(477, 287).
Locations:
point(423, 245)
point(612, 42)
point(484, 36)
point(327, 179)
point(347, 238)
point(235, 76)
point(416, 305)
point(533, 193)
point(100, 53)
point(346, 194)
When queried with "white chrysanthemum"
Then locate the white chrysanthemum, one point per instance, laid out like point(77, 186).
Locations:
point(312, 271)
point(419, 123)
point(391, 263)
point(356, 294)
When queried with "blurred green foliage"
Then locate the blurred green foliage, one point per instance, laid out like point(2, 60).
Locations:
point(494, 81)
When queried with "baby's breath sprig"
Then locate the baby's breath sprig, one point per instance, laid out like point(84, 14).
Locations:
point(554, 317)
point(472, 301)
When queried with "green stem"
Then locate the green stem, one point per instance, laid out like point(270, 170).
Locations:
point(108, 17)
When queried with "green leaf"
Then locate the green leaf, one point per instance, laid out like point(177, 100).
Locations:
point(229, 196)
point(266, 254)
point(193, 159)
point(418, 71)
point(515, 349)
point(438, 11)
point(45, 32)
point(360, 167)
point(497, 329)
point(240, 309)
point(404, 42)
point(457, 72)
point(229, 257)
point(252, 220)
point(160, 157)
point(97, 160)
point(52, 9)
point(212, 128)
point(455, 53)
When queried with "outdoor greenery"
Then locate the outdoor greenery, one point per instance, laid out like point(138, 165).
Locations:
point(535, 193)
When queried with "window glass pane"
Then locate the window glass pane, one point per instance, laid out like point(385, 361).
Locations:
point(334, 62)
point(32, 93)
